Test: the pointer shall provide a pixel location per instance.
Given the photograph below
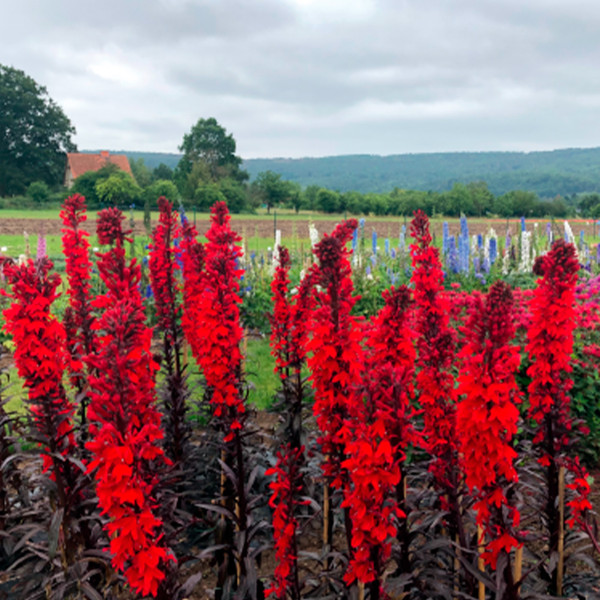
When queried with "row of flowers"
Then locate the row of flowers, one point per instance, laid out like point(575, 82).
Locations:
point(385, 389)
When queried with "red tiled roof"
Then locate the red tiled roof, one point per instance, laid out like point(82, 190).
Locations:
point(82, 163)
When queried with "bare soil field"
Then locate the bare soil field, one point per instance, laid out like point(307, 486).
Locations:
point(263, 228)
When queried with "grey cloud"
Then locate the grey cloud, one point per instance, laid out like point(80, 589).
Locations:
point(291, 77)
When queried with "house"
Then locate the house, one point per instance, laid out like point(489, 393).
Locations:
point(78, 164)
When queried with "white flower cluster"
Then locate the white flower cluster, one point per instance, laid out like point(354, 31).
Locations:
point(570, 238)
point(275, 261)
point(313, 234)
point(526, 259)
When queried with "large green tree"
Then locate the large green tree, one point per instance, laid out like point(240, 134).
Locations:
point(271, 189)
point(35, 133)
point(210, 147)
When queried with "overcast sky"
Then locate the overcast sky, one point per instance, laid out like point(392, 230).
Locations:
point(298, 78)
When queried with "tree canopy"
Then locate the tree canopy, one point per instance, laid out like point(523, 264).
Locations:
point(35, 133)
point(209, 145)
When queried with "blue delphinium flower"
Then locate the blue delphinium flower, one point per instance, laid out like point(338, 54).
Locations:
point(463, 253)
point(452, 260)
point(493, 250)
point(355, 240)
point(479, 241)
point(393, 252)
point(445, 238)
point(464, 227)
point(387, 247)
point(523, 227)
point(485, 265)
point(374, 241)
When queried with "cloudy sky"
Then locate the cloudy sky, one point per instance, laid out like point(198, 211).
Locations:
point(317, 77)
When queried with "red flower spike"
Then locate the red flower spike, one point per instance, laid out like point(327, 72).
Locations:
point(550, 346)
point(487, 415)
point(212, 316)
point(163, 267)
point(40, 358)
point(375, 449)
point(126, 431)
point(193, 257)
point(334, 350)
point(109, 227)
point(78, 319)
point(435, 347)
point(285, 488)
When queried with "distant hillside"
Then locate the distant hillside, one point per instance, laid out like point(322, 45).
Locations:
point(562, 172)
point(151, 159)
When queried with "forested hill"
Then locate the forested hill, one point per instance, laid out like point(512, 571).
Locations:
point(563, 172)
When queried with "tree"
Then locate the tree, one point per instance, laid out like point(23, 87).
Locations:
point(272, 189)
point(119, 189)
point(86, 184)
point(328, 201)
point(162, 187)
point(235, 195)
point(141, 173)
point(206, 195)
point(208, 144)
point(35, 134)
point(163, 172)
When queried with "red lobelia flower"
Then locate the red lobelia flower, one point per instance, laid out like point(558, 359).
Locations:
point(285, 502)
point(334, 349)
point(163, 267)
point(78, 320)
point(550, 346)
point(213, 317)
point(125, 430)
point(376, 448)
point(40, 357)
point(435, 346)
point(487, 415)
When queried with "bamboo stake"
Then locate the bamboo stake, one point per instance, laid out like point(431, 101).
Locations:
point(326, 540)
point(361, 590)
point(561, 530)
point(518, 570)
point(480, 562)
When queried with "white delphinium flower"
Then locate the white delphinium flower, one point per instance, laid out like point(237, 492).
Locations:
point(275, 260)
point(242, 256)
point(570, 238)
point(313, 234)
point(525, 264)
point(506, 261)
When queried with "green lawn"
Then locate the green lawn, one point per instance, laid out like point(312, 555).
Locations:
point(258, 367)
